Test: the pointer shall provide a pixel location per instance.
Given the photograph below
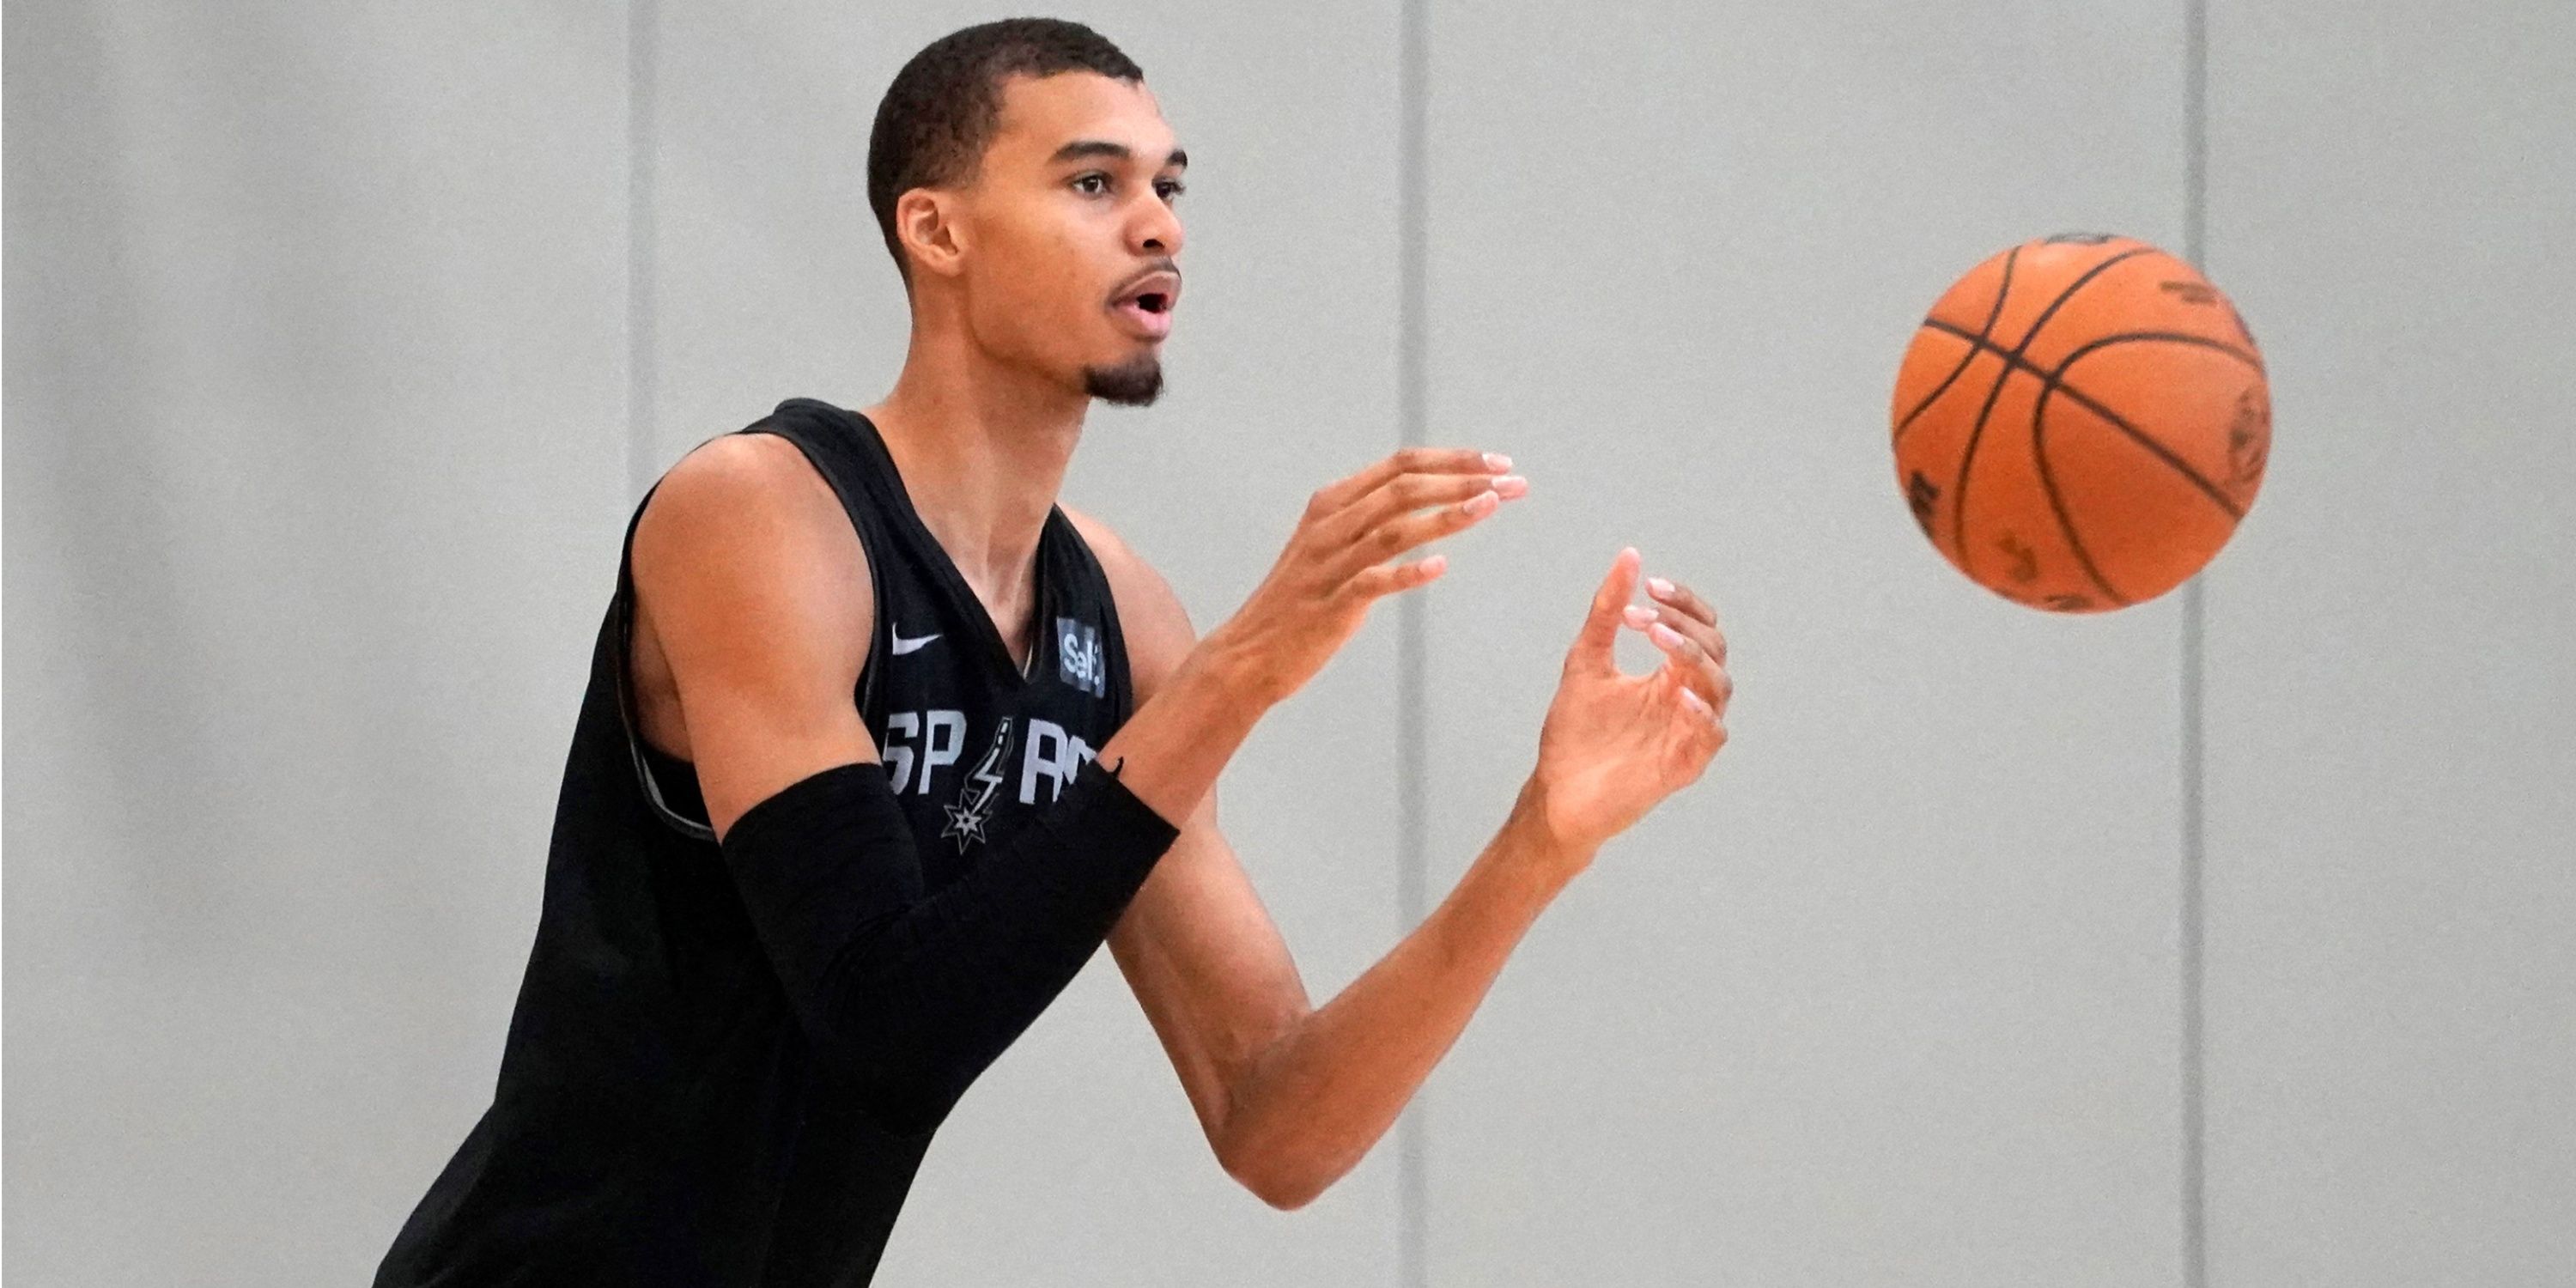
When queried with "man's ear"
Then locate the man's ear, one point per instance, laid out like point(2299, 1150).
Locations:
point(925, 221)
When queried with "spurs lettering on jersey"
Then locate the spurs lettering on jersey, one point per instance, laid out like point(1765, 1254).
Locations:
point(1054, 754)
point(942, 735)
point(933, 738)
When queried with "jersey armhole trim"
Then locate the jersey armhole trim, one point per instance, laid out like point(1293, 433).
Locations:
point(694, 829)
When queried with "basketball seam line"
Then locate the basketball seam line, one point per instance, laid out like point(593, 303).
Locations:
point(2056, 502)
point(1992, 316)
point(2167, 337)
point(2056, 381)
point(1968, 457)
point(2039, 441)
point(2048, 476)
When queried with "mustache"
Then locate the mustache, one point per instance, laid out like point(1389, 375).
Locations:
point(1166, 264)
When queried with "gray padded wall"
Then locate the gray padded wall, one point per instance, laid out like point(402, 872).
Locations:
point(315, 472)
point(325, 322)
point(1889, 997)
point(1077, 1158)
point(2391, 678)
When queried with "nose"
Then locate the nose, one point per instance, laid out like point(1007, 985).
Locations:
point(1156, 230)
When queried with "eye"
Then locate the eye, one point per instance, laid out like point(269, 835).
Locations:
point(1170, 188)
point(1099, 181)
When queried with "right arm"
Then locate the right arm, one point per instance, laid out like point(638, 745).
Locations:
point(1311, 603)
point(758, 594)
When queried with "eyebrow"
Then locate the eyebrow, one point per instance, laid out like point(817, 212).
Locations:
point(1081, 148)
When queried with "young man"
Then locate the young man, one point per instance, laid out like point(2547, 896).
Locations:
point(880, 744)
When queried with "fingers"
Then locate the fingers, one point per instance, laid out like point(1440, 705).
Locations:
point(1387, 579)
point(1411, 460)
point(1702, 728)
point(1366, 518)
point(1689, 732)
point(1594, 643)
point(1684, 611)
point(1403, 527)
point(1418, 495)
point(1690, 662)
point(1706, 734)
point(1682, 598)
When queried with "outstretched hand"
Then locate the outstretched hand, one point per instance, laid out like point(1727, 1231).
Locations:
point(1343, 558)
point(1615, 744)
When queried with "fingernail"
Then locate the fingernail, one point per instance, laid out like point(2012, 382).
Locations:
point(1660, 586)
point(1664, 635)
point(1431, 566)
point(1497, 462)
point(1696, 702)
point(1640, 616)
point(1482, 504)
point(1511, 485)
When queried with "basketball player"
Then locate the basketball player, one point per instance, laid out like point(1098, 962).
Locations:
point(880, 743)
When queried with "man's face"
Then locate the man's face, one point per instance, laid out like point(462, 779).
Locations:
point(1070, 235)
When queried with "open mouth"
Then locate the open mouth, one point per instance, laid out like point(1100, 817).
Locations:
point(1148, 314)
point(1146, 306)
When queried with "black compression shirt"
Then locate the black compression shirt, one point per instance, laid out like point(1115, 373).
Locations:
point(659, 1117)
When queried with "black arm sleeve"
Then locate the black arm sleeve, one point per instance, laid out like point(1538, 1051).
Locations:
point(916, 994)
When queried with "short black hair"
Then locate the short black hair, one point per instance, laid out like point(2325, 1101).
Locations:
point(945, 105)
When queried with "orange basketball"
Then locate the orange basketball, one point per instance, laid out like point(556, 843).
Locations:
point(2081, 422)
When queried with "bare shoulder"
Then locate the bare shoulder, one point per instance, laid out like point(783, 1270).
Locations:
point(755, 591)
point(1157, 627)
point(750, 513)
point(738, 481)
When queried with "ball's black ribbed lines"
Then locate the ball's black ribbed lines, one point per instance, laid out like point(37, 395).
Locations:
point(1968, 457)
point(2001, 290)
point(2217, 495)
point(2057, 502)
point(2039, 439)
point(2054, 382)
point(2245, 356)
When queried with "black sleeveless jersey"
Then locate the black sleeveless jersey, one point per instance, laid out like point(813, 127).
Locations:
point(659, 1116)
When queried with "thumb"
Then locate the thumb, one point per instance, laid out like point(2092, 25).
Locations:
point(1594, 644)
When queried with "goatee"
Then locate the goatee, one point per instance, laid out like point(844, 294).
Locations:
point(1133, 383)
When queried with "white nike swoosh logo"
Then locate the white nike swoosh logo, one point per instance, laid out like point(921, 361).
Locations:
point(903, 646)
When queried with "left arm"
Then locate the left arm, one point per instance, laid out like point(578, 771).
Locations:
point(1291, 1097)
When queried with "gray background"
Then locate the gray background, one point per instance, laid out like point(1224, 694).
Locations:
point(2221, 940)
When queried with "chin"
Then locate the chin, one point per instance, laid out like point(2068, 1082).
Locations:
point(1135, 382)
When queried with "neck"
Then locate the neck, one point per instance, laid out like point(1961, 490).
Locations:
point(982, 447)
